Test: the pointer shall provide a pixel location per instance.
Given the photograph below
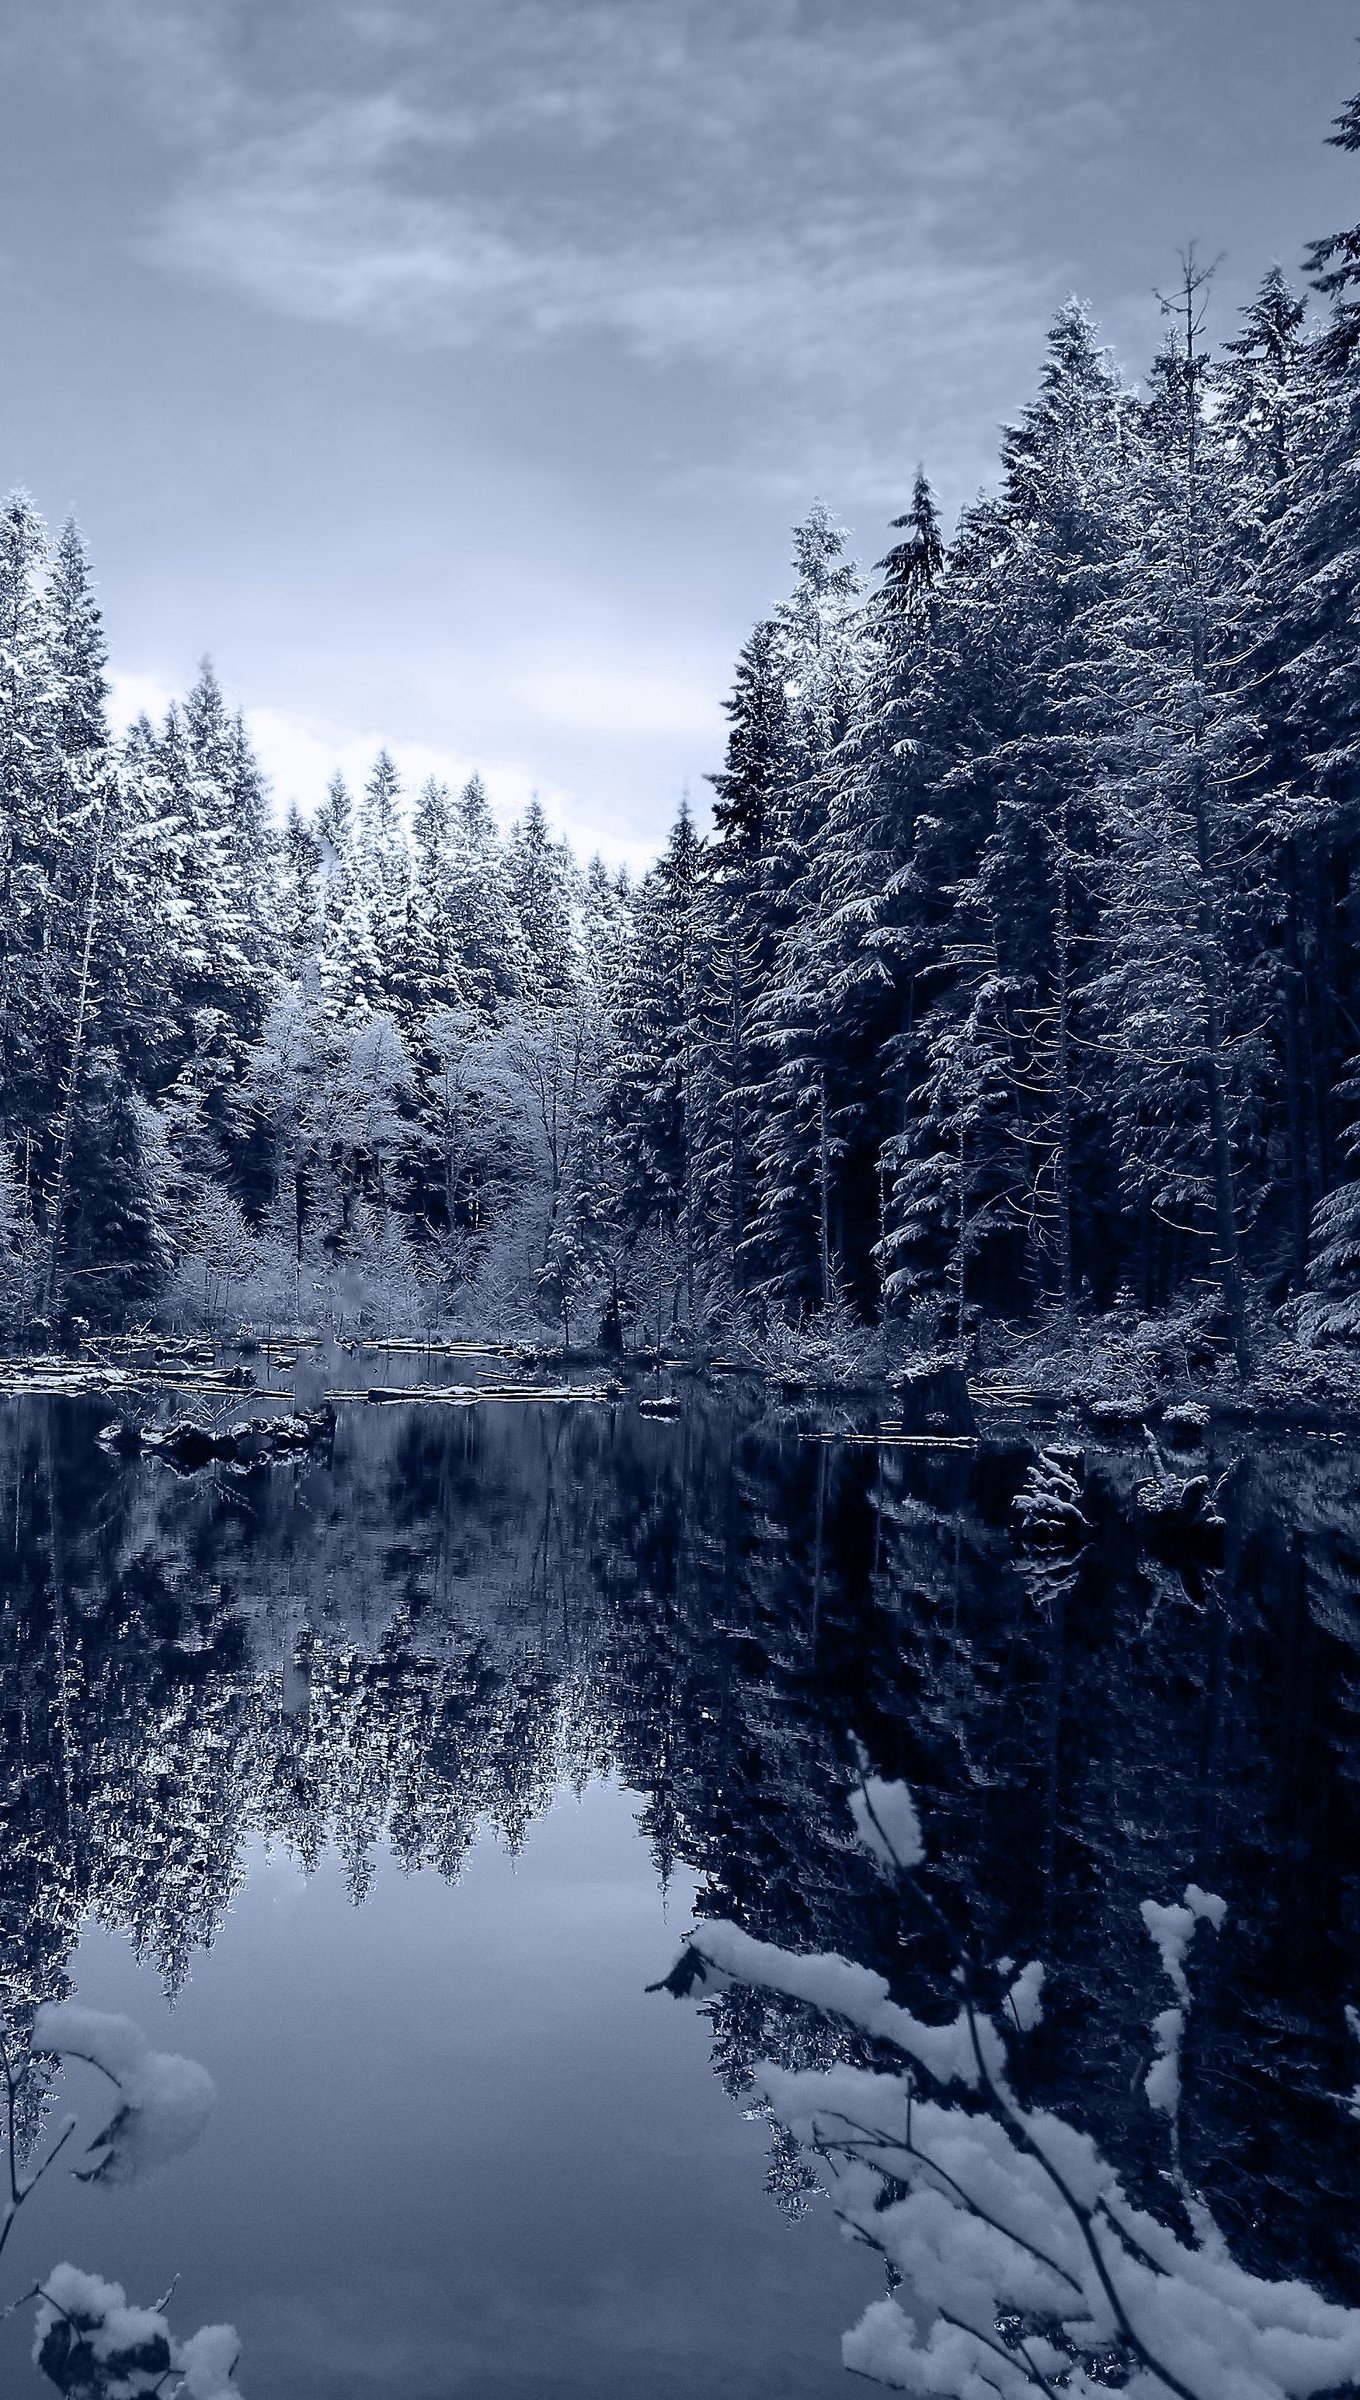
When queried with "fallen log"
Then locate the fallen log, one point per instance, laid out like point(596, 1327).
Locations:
point(467, 1395)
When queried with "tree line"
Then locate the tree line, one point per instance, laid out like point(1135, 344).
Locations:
point(1016, 980)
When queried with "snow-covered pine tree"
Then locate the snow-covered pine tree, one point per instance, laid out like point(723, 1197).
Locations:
point(427, 970)
point(1329, 1309)
point(383, 864)
point(116, 1249)
point(542, 877)
point(28, 833)
point(300, 874)
point(654, 1094)
point(479, 902)
point(349, 965)
point(796, 1242)
point(739, 930)
point(333, 828)
point(1269, 411)
point(1028, 912)
point(1334, 261)
point(1179, 983)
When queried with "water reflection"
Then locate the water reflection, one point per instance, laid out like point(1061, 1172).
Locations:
point(462, 1613)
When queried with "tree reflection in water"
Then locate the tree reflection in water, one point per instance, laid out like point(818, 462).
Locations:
point(460, 1613)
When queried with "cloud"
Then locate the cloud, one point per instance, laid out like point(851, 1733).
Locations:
point(813, 194)
point(622, 704)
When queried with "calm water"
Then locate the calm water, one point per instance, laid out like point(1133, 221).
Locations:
point(383, 1785)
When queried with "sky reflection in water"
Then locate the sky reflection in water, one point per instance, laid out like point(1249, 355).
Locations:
point(457, 2147)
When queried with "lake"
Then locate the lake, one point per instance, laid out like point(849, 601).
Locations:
point(384, 1782)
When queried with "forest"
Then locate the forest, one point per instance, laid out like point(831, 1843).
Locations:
point(1016, 985)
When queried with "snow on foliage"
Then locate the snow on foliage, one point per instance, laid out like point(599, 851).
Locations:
point(1024, 2000)
point(1173, 1930)
point(887, 1824)
point(1024, 2265)
point(166, 2100)
point(91, 2343)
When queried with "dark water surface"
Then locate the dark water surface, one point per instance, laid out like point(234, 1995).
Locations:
point(384, 1784)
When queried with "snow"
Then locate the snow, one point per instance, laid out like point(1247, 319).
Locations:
point(1162, 2082)
point(1172, 1928)
point(997, 2217)
point(1024, 2000)
point(887, 1824)
point(1017, 2247)
point(856, 1993)
point(134, 2346)
point(207, 2360)
point(100, 2309)
point(166, 2099)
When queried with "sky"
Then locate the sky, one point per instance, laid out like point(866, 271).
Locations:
point(452, 371)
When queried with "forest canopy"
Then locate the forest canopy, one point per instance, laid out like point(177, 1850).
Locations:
point(1016, 981)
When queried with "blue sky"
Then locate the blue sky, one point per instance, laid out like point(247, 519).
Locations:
point(452, 370)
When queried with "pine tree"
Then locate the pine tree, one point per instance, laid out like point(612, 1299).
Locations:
point(1179, 991)
point(541, 877)
point(28, 797)
point(655, 1098)
point(333, 827)
point(428, 972)
point(738, 918)
point(301, 881)
point(479, 903)
point(1334, 262)
point(1029, 909)
point(117, 1249)
point(1267, 415)
point(383, 863)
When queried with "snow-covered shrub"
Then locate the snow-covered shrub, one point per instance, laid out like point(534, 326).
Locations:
point(829, 1346)
point(87, 2339)
point(1023, 2266)
point(1047, 1508)
point(164, 2100)
point(93, 2346)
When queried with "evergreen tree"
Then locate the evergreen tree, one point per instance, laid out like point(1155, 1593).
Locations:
point(540, 876)
point(479, 902)
point(428, 973)
point(1181, 991)
point(117, 1249)
point(1334, 262)
point(383, 864)
point(655, 1100)
point(301, 886)
point(738, 924)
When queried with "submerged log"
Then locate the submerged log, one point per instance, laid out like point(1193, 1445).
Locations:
point(189, 1443)
point(935, 1399)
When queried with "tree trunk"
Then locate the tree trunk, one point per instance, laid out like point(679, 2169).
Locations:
point(1228, 1261)
point(1063, 1080)
point(823, 1189)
